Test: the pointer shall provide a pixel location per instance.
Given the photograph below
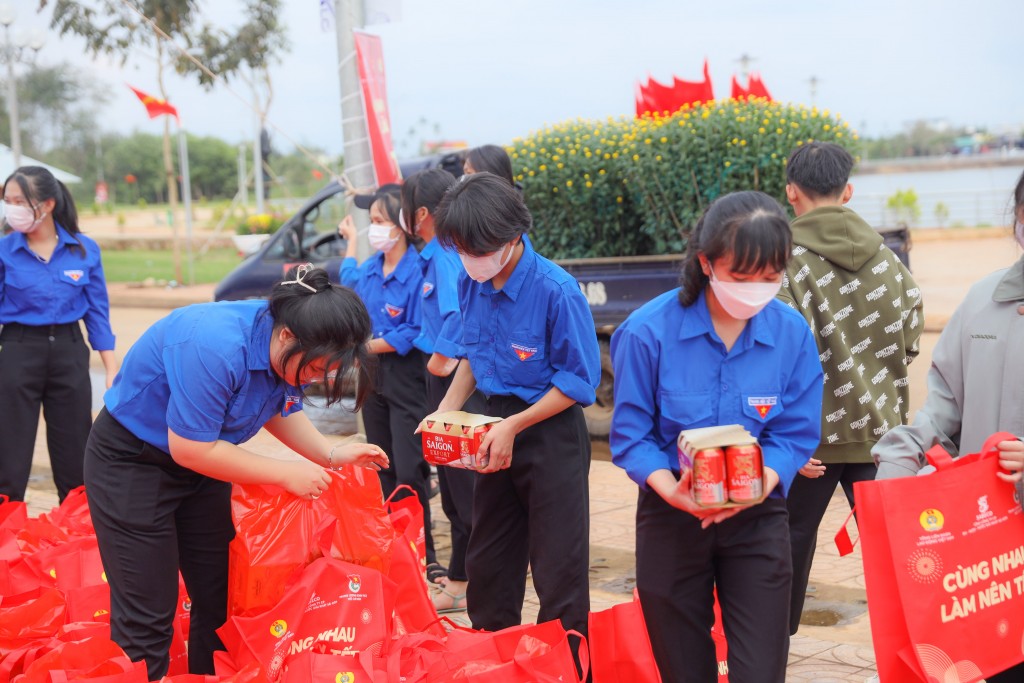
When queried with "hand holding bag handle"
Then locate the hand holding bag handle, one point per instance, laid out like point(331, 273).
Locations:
point(940, 459)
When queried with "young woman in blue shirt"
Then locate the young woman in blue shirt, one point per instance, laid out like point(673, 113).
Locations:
point(51, 277)
point(532, 352)
point(389, 283)
point(719, 350)
point(196, 385)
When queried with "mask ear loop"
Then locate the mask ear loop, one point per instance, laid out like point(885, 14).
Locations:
point(301, 272)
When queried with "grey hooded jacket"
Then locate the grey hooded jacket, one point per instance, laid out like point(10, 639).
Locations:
point(975, 383)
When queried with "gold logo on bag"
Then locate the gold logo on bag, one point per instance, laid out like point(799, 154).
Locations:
point(932, 520)
point(345, 677)
point(278, 628)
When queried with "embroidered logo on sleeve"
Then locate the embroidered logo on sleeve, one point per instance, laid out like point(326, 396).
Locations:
point(75, 275)
point(524, 352)
point(762, 404)
point(393, 311)
point(428, 287)
point(291, 404)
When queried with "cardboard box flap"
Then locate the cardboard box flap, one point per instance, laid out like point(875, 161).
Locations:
point(691, 440)
point(443, 423)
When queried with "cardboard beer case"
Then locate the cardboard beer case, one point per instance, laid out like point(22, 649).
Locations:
point(452, 438)
point(691, 441)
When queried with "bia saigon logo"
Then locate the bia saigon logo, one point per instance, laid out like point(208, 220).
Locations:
point(354, 583)
point(278, 628)
point(932, 520)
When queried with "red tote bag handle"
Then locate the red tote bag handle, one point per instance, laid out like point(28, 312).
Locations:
point(940, 459)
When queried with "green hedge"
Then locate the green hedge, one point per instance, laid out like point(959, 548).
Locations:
point(625, 187)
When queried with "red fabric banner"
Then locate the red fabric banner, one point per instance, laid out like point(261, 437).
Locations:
point(375, 107)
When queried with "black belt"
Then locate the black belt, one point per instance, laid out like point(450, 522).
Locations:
point(16, 331)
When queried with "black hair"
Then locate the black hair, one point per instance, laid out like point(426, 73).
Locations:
point(330, 323)
point(39, 185)
point(390, 204)
point(751, 226)
point(491, 159)
point(1018, 200)
point(480, 214)
point(820, 169)
point(424, 189)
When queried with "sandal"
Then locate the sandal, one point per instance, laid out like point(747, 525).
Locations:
point(453, 602)
point(436, 573)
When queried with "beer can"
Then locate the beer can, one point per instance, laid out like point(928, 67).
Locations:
point(745, 470)
point(709, 477)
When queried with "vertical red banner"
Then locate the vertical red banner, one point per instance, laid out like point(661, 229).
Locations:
point(375, 107)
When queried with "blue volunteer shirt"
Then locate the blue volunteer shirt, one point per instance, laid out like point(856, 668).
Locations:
point(393, 301)
point(672, 372)
point(534, 333)
point(204, 372)
point(67, 289)
point(440, 317)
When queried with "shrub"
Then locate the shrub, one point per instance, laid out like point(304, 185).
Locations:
point(626, 186)
point(260, 223)
point(904, 204)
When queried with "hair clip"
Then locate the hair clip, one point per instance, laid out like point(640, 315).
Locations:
point(301, 272)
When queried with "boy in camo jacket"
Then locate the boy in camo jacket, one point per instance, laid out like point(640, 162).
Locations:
point(865, 311)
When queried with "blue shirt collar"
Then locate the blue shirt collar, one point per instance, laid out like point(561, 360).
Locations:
point(430, 249)
point(404, 269)
point(21, 240)
point(697, 321)
point(258, 357)
point(522, 271)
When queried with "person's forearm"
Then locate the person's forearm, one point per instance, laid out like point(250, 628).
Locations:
point(298, 433)
point(227, 462)
point(462, 387)
point(550, 404)
point(378, 345)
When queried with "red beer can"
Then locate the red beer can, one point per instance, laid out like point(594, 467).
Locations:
point(743, 463)
point(709, 477)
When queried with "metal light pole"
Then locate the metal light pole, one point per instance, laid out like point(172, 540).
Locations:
point(12, 52)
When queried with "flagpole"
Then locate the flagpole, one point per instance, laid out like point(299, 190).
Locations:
point(186, 193)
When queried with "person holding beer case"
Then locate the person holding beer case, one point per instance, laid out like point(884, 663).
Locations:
point(719, 350)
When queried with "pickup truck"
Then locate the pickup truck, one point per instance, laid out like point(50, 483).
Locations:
point(614, 287)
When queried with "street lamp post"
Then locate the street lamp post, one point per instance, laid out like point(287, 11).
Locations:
point(13, 52)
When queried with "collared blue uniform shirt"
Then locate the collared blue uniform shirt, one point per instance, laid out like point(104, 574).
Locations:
point(67, 289)
point(204, 372)
point(672, 372)
point(393, 302)
point(534, 333)
point(440, 317)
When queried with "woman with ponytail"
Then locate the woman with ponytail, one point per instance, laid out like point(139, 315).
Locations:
point(165, 447)
point(51, 277)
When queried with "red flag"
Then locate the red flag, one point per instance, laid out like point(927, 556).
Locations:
point(656, 97)
point(155, 107)
point(738, 92)
point(375, 107)
point(756, 87)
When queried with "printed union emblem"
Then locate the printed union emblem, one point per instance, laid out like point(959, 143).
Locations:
point(278, 628)
point(354, 583)
point(75, 275)
point(100, 612)
point(762, 404)
point(932, 520)
point(524, 352)
point(393, 311)
point(428, 287)
point(345, 677)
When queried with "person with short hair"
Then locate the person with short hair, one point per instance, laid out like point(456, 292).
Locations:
point(719, 350)
point(532, 351)
point(166, 446)
point(865, 311)
point(51, 278)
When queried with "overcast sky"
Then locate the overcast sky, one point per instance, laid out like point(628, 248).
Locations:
point(485, 71)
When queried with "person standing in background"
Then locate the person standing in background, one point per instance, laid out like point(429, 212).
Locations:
point(51, 277)
point(865, 311)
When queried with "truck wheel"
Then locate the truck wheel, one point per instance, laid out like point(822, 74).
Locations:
point(599, 415)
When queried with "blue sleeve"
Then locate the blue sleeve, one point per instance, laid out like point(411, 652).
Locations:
point(449, 340)
point(201, 384)
point(349, 272)
point(402, 337)
point(572, 346)
point(789, 440)
point(97, 315)
point(632, 439)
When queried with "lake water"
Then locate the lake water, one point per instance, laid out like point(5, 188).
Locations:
point(974, 196)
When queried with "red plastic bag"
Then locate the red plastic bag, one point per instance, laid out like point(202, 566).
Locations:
point(94, 659)
point(318, 664)
point(91, 603)
point(942, 565)
point(349, 605)
point(406, 517)
point(356, 527)
point(72, 515)
point(619, 645)
point(12, 515)
point(28, 617)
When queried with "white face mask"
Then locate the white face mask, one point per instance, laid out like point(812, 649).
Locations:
point(483, 268)
point(1018, 232)
point(21, 218)
point(379, 237)
point(743, 300)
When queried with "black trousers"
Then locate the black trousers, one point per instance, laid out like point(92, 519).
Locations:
point(154, 517)
point(807, 502)
point(457, 485)
point(536, 513)
point(47, 366)
point(391, 414)
point(678, 564)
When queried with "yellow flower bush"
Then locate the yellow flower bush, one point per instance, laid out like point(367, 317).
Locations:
point(627, 186)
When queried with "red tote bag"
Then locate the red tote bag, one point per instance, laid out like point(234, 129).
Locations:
point(944, 570)
point(620, 650)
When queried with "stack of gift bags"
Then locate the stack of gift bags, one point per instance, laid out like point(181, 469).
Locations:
point(329, 590)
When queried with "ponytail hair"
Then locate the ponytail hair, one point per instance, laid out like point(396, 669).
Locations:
point(750, 226)
point(39, 185)
point(329, 322)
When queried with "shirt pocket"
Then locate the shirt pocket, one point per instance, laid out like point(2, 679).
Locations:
point(73, 277)
point(685, 410)
point(760, 407)
point(523, 357)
